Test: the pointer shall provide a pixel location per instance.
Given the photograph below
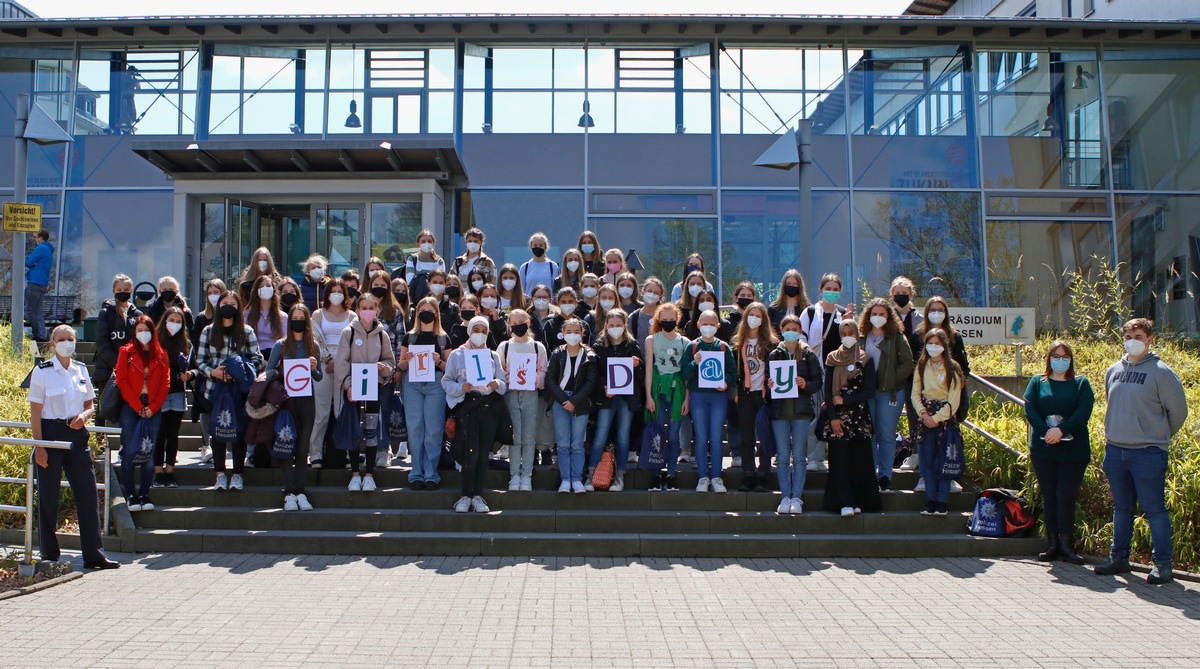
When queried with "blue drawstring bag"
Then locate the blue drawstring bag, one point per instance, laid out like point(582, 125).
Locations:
point(224, 422)
point(140, 448)
point(397, 424)
point(348, 428)
point(654, 447)
point(766, 436)
point(951, 463)
point(285, 435)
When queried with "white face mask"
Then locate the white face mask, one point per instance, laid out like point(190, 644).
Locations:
point(266, 293)
point(567, 309)
point(650, 298)
point(708, 331)
point(573, 339)
point(316, 274)
point(212, 299)
point(473, 247)
point(437, 288)
point(607, 304)
point(695, 289)
point(936, 317)
point(572, 265)
point(616, 332)
point(426, 248)
point(509, 284)
point(934, 350)
point(65, 348)
point(753, 322)
point(849, 341)
point(174, 328)
point(336, 298)
point(144, 337)
point(625, 292)
point(707, 306)
point(541, 304)
point(477, 285)
point(879, 321)
point(488, 302)
point(262, 265)
point(590, 292)
point(479, 338)
point(1134, 347)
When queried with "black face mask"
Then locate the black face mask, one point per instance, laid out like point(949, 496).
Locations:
point(227, 311)
point(467, 315)
point(352, 292)
point(520, 329)
point(692, 268)
point(379, 291)
point(123, 296)
point(168, 296)
point(901, 300)
point(791, 291)
point(298, 326)
point(744, 302)
point(402, 298)
point(538, 251)
point(288, 300)
point(247, 286)
point(453, 292)
point(668, 326)
point(426, 317)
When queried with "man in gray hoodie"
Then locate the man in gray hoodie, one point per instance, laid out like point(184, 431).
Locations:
point(1146, 407)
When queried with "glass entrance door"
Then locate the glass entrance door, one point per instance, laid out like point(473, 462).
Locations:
point(241, 236)
point(337, 229)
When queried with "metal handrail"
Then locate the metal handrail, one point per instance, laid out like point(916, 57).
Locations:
point(1004, 394)
point(996, 389)
point(27, 510)
point(994, 439)
point(97, 429)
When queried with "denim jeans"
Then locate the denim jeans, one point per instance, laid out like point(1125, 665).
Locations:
point(129, 420)
point(885, 416)
point(425, 413)
point(570, 431)
point(708, 421)
point(673, 429)
point(385, 407)
point(34, 312)
point(326, 404)
point(1138, 474)
point(604, 421)
point(936, 490)
point(522, 409)
point(791, 446)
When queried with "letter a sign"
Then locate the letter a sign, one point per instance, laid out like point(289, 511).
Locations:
point(783, 379)
point(620, 376)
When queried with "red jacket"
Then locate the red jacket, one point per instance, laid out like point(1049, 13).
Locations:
point(131, 373)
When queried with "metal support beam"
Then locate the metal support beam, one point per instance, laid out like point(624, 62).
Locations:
point(300, 162)
point(346, 161)
point(253, 161)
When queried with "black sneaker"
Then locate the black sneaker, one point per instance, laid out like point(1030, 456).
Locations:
point(671, 485)
point(928, 510)
point(885, 484)
point(656, 484)
point(1113, 566)
point(760, 485)
point(159, 480)
point(544, 458)
point(940, 509)
point(1160, 573)
point(433, 485)
point(170, 480)
point(416, 485)
point(747, 484)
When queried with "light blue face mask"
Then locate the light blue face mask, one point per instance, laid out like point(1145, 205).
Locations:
point(791, 335)
point(1060, 365)
point(831, 296)
point(587, 248)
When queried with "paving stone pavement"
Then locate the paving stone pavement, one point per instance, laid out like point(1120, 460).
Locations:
point(201, 609)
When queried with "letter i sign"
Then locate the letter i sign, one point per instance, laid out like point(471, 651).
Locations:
point(364, 382)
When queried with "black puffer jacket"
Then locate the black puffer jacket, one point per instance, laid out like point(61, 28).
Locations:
point(112, 332)
point(583, 382)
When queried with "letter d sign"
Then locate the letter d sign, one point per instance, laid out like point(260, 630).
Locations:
point(620, 376)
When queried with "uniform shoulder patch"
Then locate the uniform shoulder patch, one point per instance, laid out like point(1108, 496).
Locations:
point(46, 365)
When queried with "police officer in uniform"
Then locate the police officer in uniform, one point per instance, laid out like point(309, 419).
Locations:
point(61, 402)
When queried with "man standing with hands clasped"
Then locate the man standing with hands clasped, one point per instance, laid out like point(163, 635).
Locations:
point(1146, 407)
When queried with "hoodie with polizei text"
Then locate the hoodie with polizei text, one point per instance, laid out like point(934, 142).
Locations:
point(1146, 403)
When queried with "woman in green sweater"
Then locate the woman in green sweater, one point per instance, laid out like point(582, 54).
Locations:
point(1058, 405)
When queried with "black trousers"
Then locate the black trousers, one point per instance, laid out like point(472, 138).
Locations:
point(295, 468)
point(372, 426)
point(851, 480)
point(166, 447)
point(748, 404)
point(478, 419)
point(77, 464)
point(1059, 484)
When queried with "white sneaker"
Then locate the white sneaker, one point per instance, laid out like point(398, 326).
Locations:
point(588, 486)
point(618, 483)
point(633, 458)
point(205, 454)
point(857, 510)
point(355, 484)
point(502, 453)
point(479, 506)
point(463, 505)
point(401, 453)
point(685, 457)
point(785, 506)
point(147, 505)
point(847, 511)
point(565, 487)
point(368, 484)
point(249, 463)
point(236, 483)
point(718, 485)
point(702, 484)
point(736, 462)
point(797, 506)
point(577, 487)
point(822, 467)
point(526, 483)
point(920, 485)
point(382, 458)
point(910, 464)
point(222, 482)
point(134, 504)
point(303, 503)
point(514, 484)
point(315, 464)
point(290, 504)
point(955, 487)
point(812, 466)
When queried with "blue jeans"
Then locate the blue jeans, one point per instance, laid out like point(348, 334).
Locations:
point(425, 413)
point(791, 448)
point(34, 313)
point(1138, 474)
point(385, 406)
point(885, 416)
point(708, 409)
point(673, 427)
point(522, 410)
point(570, 431)
point(129, 420)
point(604, 420)
point(936, 490)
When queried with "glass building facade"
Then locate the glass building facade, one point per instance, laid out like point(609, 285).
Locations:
point(985, 159)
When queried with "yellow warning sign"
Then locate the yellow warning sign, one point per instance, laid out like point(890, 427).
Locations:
point(19, 217)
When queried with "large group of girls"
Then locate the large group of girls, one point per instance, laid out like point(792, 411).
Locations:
point(856, 373)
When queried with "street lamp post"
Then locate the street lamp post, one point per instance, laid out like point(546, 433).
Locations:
point(793, 149)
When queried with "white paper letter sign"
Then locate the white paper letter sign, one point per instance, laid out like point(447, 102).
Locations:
point(522, 371)
point(364, 382)
point(297, 378)
point(783, 379)
point(421, 367)
point(712, 369)
point(478, 364)
point(620, 376)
